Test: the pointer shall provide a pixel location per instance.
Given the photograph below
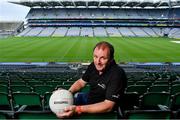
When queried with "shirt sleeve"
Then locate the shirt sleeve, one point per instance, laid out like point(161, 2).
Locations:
point(116, 86)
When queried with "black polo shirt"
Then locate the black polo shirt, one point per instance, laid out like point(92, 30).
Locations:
point(109, 85)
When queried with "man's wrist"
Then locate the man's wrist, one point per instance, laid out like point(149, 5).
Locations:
point(78, 110)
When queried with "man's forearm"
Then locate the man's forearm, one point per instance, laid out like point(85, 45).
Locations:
point(76, 86)
point(101, 107)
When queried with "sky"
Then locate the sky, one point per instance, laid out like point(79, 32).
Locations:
point(12, 12)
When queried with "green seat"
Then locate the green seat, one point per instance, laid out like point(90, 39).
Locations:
point(159, 88)
point(111, 115)
point(147, 83)
point(175, 89)
point(45, 115)
point(30, 101)
point(68, 82)
point(17, 83)
point(42, 89)
point(4, 83)
point(4, 89)
point(20, 88)
point(130, 100)
point(140, 89)
point(63, 86)
point(148, 114)
point(177, 115)
point(175, 105)
point(46, 100)
point(54, 83)
point(177, 82)
point(161, 83)
point(5, 103)
point(130, 83)
point(152, 100)
point(3, 116)
point(33, 83)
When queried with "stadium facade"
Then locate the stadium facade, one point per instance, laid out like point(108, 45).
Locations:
point(141, 18)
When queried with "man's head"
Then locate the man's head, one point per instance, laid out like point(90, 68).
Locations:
point(102, 55)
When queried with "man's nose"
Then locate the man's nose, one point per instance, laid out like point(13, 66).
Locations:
point(99, 60)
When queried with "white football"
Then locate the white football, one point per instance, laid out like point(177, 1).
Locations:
point(59, 100)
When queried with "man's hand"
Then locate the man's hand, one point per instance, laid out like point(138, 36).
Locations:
point(68, 112)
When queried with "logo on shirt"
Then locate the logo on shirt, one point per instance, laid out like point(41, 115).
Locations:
point(116, 96)
point(103, 86)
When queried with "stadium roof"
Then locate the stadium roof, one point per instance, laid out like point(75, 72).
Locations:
point(99, 3)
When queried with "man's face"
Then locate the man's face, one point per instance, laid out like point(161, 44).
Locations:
point(101, 58)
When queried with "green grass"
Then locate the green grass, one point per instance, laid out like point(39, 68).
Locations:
point(79, 49)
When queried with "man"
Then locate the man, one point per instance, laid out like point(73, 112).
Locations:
point(107, 83)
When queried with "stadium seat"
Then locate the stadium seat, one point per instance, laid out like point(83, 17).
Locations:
point(42, 89)
point(175, 89)
point(130, 101)
point(33, 83)
point(151, 101)
point(20, 88)
point(68, 82)
point(5, 102)
point(45, 115)
point(17, 83)
point(47, 96)
point(148, 114)
point(4, 83)
point(161, 82)
point(177, 82)
point(26, 101)
point(111, 115)
point(63, 86)
point(177, 114)
point(4, 89)
point(130, 83)
point(147, 83)
point(140, 89)
point(3, 116)
point(54, 84)
point(159, 88)
point(175, 105)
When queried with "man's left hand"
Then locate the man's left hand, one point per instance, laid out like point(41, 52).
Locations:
point(68, 112)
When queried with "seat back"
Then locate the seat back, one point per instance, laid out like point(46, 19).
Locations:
point(148, 114)
point(159, 88)
point(20, 88)
point(175, 89)
point(152, 100)
point(45, 115)
point(175, 104)
point(111, 115)
point(3, 116)
point(46, 100)
point(31, 100)
point(42, 89)
point(140, 89)
point(5, 103)
point(4, 89)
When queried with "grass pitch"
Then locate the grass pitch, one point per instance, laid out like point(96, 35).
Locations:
point(79, 49)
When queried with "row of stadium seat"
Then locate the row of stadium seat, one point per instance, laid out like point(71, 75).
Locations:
point(99, 31)
point(33, 102)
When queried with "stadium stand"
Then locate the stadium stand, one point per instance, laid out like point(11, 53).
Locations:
point(102, 18)
point(26, 88)
point(10, 28)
